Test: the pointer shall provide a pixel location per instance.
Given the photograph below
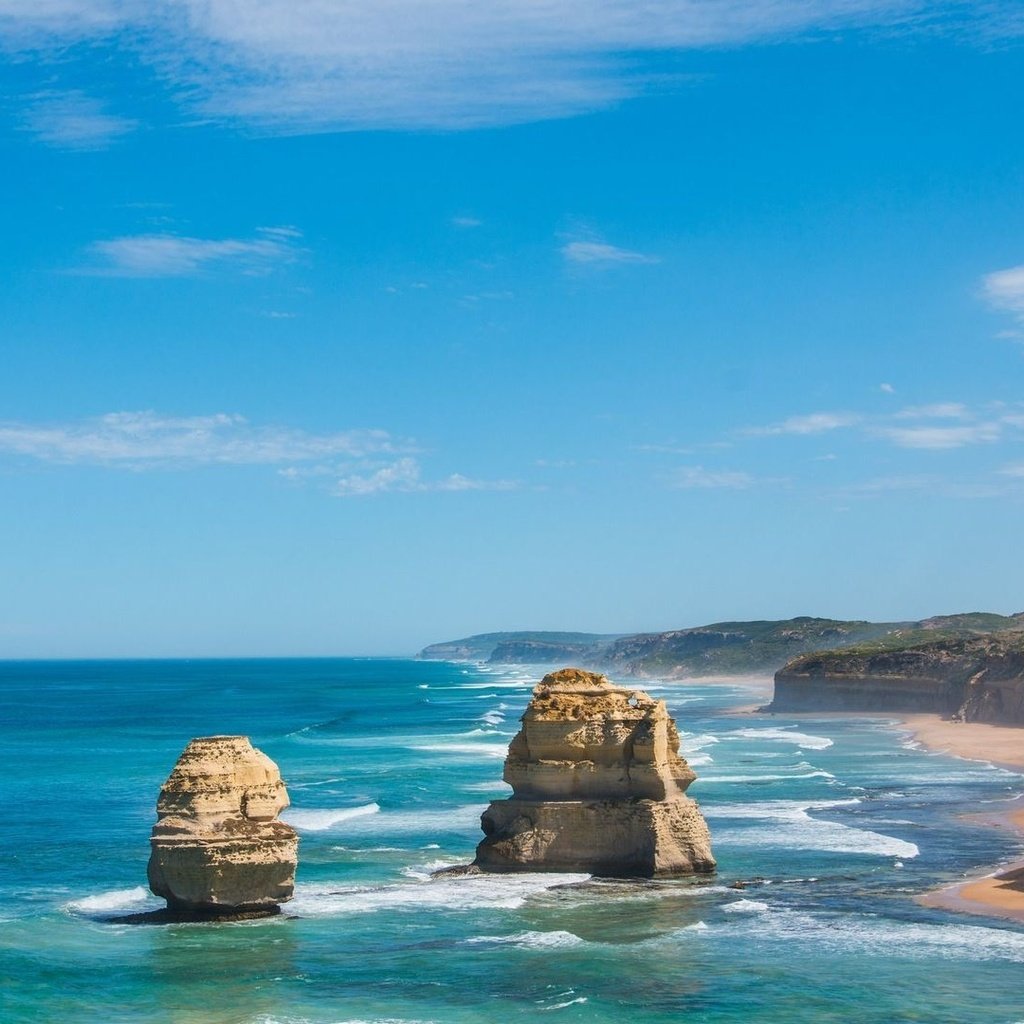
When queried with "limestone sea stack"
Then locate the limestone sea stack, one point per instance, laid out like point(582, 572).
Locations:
point(217, 847)
point(598, 785)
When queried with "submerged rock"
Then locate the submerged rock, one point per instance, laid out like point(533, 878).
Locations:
point(217, 847)
point(598, 786)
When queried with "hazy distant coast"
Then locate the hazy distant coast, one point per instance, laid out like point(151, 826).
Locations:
point(721, 648)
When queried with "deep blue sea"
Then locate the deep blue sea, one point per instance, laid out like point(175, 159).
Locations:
point(389, 764)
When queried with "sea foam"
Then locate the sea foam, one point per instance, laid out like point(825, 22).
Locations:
point(309, 820)
point(470, 892)
point(114, 900)
point(782, 735)
point(789, 825)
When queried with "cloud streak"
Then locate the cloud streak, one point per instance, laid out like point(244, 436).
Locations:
point(601, 254)
point(699, 478)
point(73, 120)
point(1004, 290)
point(941, 438)
point(319, 65)
point(917, 426)
point(404, 476)
point(813, 423)
point(169, 255)
point(147, 440)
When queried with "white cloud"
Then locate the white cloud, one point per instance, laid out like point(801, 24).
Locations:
point(699, 477)
point(404, 475)
point(166, 255)
point(1004, 289)
point(813, 423)
point(466, 222)
point(887, 389)
point(935, 411)
point(940, 438)
point(313, 65)
point(602, 254)
point(1015, 470)
point(73, 120)
point(31, 22)
point(141, 440)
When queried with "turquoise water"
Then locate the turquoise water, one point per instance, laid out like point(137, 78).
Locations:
point(388, 764)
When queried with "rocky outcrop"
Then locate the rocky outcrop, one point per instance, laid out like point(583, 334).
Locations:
point(217, 846)
point(598, 786)
point(971, 677)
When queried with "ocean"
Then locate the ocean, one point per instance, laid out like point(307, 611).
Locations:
point(834, 824)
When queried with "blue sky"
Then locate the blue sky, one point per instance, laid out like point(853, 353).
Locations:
point(342, 328)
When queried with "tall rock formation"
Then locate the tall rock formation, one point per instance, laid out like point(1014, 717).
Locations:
point(217, 846)
point(598, 786)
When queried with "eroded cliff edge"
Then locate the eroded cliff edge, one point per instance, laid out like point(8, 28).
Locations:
point(972, 677)
point(598, 786)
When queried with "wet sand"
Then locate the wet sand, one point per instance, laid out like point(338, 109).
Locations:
point(1001, 892)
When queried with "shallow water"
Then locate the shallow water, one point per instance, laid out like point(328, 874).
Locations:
point(389, 764)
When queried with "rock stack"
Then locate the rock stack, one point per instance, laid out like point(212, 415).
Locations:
point(598, 786)
point(217, 847)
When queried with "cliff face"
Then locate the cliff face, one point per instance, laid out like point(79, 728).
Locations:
point(722, 648)
point(973, 677)
point(217, 846)
point(598, 786)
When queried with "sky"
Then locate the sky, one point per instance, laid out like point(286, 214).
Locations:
point(342, 328)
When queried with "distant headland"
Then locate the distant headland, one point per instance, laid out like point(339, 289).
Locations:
point(721, 648)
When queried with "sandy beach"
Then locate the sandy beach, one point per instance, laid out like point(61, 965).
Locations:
point(977, 741)
point(999, 893)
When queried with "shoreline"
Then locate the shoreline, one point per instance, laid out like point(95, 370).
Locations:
point(999, 892)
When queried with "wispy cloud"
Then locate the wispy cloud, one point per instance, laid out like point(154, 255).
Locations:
point(168, 255)
point(466, 222)
point(917, 426)
point(697, 477)
point(317, 65)
point(812, 423)
point(73, 120)
point(142, 440)
point(405, 475)
point(935, 411)
point(1004, 289)
point(939, 438)
point(601, 254)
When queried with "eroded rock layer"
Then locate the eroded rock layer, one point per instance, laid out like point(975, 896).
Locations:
point(598, 786)
point(217, 846)
point(975, 678)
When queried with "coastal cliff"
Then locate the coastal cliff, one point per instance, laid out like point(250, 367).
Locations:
point(598, 785)
point(721, 648)
point(217, 847)
point(973, 677)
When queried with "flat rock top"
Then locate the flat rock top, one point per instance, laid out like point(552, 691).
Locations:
point(572, 693)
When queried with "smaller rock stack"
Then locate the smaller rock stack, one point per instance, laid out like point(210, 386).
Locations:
point(598, 786)
point(217, 847)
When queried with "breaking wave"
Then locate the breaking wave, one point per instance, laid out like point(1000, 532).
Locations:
point(320, 820)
